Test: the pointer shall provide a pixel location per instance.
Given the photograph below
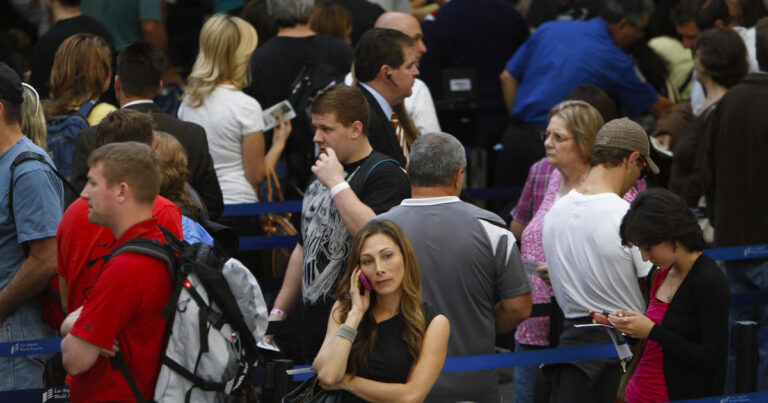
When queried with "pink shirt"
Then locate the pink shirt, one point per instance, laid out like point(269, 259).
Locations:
point(647, 383)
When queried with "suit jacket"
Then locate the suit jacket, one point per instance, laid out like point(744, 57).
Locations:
point(202, 176)
point(381, 133)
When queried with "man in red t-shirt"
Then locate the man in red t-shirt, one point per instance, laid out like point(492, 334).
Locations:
point(123, 311)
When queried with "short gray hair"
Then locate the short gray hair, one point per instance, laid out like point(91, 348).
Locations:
point(288, 13)
point(435, 158)
point(633, 10)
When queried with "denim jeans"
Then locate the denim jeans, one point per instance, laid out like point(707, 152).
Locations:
point(26, 371)
point(525, 377)
point(748, 276)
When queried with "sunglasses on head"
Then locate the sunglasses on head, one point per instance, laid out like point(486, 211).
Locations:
point(37, 97)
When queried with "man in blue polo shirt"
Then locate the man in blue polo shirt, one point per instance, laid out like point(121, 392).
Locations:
point(563, 55)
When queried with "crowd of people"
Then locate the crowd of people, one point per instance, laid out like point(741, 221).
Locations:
point(616, 118)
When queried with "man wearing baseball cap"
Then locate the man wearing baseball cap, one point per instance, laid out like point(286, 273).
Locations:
point(28, 220)
point(589, 268)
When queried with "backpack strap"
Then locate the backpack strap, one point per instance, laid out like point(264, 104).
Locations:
point(86, 109)
point(155, 249)
point(119, 364)
point(31, 156)
point(379, 163)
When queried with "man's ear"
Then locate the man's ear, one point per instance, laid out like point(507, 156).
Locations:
point(159, 87)
point(458, 179)
point(384, 70)
point(123, 191)
point(357, 129)
point(633, 158)
point(408, 168)
point(118, 84)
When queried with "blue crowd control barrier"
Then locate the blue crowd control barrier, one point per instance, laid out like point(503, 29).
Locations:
point(494, 193)
point(518, 359)
point(61, 395)
point(246, 209)
point(294, 206)
point(739, 252)
point(27, 347)
point(50, 395)
point(268, 242)
point(755, 298)
point(757, 397)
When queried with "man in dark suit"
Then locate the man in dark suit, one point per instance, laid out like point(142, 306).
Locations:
point(386, 64)
point(139, 68)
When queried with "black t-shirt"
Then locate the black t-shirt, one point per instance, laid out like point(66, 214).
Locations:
point(390, 361)
point(46, 47)
point(275, 65)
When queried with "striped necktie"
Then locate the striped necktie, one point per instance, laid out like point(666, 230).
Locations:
point(400, 135)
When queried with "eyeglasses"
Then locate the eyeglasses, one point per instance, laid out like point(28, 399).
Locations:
point(555, 136)
point(644, 170)
point(37, 97)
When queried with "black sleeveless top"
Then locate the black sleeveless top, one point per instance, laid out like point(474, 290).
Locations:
point(390, 360)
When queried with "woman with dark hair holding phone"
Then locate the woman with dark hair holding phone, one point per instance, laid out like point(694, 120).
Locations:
point(382, 342)
point(686, 323)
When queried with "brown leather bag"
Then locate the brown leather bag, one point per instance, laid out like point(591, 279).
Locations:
point(276, 225)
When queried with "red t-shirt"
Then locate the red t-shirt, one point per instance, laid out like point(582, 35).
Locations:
point(126, 304)
point(79, 241)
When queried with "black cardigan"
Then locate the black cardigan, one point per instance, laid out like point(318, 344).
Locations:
point(694, 333)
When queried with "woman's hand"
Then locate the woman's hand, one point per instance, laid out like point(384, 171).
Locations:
point(282, 131)
point(360, 302)
point(542, 271)
point(634, 324)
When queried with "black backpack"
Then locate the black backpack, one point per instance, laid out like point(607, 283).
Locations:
point(313, 77)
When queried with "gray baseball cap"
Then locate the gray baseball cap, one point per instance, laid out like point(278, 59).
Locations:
point(624, 134)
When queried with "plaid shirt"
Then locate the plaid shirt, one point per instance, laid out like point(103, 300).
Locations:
point(533, 192)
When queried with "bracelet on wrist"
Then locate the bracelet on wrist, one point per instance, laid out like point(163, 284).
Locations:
point(347, 332)
point(277, 312)
point(338, 188)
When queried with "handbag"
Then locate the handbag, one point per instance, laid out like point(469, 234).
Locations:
point(276, 225)
point(310, 392)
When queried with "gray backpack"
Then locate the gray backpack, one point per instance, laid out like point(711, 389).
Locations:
point(215, 317)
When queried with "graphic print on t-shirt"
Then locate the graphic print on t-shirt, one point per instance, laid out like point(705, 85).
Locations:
point(326, 243)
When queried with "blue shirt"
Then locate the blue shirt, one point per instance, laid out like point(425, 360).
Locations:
point(194, 232)
point(563, 55)
point(38, 203)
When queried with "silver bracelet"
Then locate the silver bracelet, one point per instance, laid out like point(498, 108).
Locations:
point(347, 332)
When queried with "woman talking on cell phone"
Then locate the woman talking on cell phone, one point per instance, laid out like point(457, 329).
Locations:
point(383, 343)
point(686, 323)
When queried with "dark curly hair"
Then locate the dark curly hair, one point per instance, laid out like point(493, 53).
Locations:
point(657, 216)
point(723, 56)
